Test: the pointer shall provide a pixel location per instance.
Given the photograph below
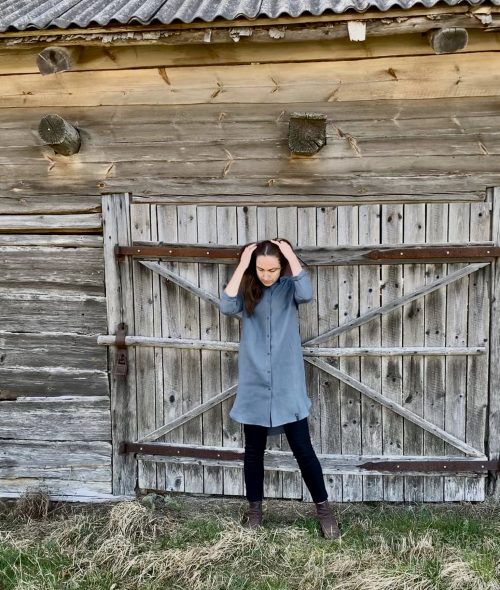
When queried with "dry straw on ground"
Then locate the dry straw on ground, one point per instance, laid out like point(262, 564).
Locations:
point(199, 544)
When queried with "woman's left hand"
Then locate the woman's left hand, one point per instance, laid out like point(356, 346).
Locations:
point(285, 248)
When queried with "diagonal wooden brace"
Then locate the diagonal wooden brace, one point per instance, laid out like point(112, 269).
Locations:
point(395, 407)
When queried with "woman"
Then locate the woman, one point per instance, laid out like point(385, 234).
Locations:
point(267, 286)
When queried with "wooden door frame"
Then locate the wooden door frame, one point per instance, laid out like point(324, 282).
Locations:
point(116, 215)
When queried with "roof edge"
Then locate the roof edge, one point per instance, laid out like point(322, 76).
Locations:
point(418, 19)
point(418, 9)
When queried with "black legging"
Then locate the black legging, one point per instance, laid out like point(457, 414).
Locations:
point(299, 440)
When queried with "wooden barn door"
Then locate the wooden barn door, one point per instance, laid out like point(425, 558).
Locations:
point(395, 344)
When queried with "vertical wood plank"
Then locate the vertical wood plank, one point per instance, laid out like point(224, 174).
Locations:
point(434, 367)
point(210, 359)
point(191, 360)
point(392, 331)
point(120, 308)
point(267, 229)
point(172, 361)
point(145, 368)
point(456, 335)
point(158, 351)
point(328, 317)
point(478, 332)
point(229, 330)
point(413, 334)
point(287, 228)
point(308, 322)
point(370, 335)
point(350, 399)
point(494, 349)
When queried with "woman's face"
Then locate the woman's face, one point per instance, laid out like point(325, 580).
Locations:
point(268, 269)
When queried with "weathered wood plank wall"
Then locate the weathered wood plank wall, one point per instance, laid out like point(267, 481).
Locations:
point(210, 127)
point(235, 150)
point(342, 421)
point(54, 393)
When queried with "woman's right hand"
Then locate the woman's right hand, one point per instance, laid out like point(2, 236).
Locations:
point(246, 256)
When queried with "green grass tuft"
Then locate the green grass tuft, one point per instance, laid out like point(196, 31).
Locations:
point(201, 546)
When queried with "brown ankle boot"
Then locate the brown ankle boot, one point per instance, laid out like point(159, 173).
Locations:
point(253, 516)
point(328, 523)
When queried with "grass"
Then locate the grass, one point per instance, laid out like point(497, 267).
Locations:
point(192, 543)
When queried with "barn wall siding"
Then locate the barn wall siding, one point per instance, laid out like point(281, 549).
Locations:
point(229, 149)
point(202, 128)
point(54, 391)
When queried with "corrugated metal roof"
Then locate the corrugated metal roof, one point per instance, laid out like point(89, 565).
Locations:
point(25, 14)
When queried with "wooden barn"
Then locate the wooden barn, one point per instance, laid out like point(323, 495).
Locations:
point(142, 143)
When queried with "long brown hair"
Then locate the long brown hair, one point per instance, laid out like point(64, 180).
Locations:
point(251, 287)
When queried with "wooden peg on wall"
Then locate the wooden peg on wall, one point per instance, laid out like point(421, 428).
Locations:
point(448, 40)
point(62, 137)
point(306, 133)
point(57, 59)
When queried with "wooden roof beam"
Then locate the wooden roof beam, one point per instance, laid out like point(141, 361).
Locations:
point(395, 22)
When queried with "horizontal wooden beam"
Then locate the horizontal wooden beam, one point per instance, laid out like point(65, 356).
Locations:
point(50, 241)
point(261, 49)
point(150, 341)
point(376, 254)
point(275, 194)
point(54, 224)
point(75, 418)
point(282, 188)
point(389, 78)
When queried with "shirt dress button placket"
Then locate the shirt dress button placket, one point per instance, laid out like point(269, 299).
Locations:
point(269, 374)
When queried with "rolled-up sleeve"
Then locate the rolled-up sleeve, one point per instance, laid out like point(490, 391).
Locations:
point(230, 305)
point(303, 287)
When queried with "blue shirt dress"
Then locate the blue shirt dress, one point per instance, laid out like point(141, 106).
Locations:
point(272, 386)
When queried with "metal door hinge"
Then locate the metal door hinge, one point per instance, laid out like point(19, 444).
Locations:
point(121, 365)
